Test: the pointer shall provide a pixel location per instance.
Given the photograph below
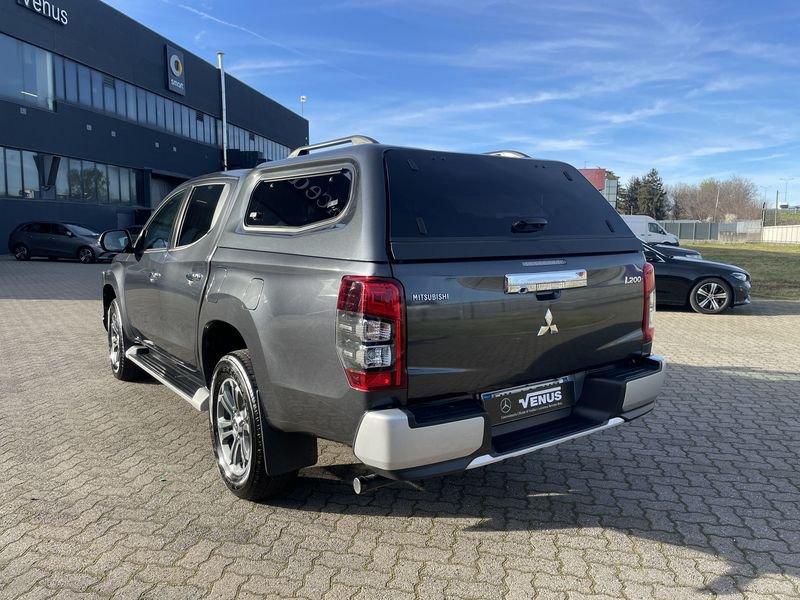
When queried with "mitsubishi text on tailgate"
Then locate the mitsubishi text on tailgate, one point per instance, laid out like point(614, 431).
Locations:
point(436, 311)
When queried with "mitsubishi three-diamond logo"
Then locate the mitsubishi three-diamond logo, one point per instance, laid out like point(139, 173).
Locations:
point(550, 326)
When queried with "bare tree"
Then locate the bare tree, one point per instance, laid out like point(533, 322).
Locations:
point(733, 199)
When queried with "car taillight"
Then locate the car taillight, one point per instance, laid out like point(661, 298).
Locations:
point(648, 318)
point(370, 323)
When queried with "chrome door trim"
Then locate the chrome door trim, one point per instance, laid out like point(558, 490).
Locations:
point(523, 283)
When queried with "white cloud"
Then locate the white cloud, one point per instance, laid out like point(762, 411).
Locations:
point(639, 114)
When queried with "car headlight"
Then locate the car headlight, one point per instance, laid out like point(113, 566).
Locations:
point(740, 276)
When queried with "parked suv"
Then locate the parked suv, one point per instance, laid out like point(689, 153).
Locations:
point(436, 311)
point(55, 240)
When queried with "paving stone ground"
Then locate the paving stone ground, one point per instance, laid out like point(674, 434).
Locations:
point(109, 488)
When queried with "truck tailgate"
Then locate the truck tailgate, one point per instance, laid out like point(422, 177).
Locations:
point(467, 334)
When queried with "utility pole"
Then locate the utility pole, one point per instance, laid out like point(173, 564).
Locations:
point(785, 181)
point(777, 192)
point(716, 204)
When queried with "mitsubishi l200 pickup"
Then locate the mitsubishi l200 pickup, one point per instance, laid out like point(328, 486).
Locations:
point(436, 311)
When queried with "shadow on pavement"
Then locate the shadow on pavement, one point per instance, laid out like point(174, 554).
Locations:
point(715, 469)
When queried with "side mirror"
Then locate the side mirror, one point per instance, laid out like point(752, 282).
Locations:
point(116, 240)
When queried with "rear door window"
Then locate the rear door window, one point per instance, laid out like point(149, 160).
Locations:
point(299, 202)
point(200, 211)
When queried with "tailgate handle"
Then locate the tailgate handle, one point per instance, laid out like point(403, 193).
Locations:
point(522, 283)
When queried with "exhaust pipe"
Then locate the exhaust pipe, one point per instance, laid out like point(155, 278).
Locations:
point(369, 482)
point(373, 481)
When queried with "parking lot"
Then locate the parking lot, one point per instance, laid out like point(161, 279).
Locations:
point(109, 488)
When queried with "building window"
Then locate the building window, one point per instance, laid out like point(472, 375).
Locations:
point(62, 180)
point(141, 105)
point(130, 96)
point(71, 80)
point(160, 120)
point(176, 110)
point(58, 76)
point(185, 120)
point(84, 86)
point(74, 177)
point(14, 172)
point(168, 112)
point(132, 182)
point(119, 93)
point(30, 175)
point(124, 186)
point(2, 173)
point(151, 108)
point(97, 90)
point(101, 183)
point(26, 73)
point(113, 185)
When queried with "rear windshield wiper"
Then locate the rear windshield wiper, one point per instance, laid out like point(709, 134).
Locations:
point(528, 225)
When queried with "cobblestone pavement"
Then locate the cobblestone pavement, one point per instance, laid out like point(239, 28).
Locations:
point(108, 488)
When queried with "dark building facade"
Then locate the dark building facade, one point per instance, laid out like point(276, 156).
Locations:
point(100, 117)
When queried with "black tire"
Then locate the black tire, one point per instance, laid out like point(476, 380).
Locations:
point(86, 255)
point(122, 368)
point(233, 395)
point(710, 296)
point(21, 252)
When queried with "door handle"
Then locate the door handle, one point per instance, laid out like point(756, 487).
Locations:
point(192, 277)
point(154, 276)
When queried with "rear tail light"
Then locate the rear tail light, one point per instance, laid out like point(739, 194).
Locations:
point(648, 318)
point(370, 330)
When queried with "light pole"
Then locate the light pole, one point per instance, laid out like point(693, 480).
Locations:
point(786, 181)
point(303, 100)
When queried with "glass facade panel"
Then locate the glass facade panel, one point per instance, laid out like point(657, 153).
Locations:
point(2, 173)
point(132, 181)
point(113, 185)
point(58, 76)
point(62, 179)
point(11, 68)
point(14, 172)
point(74, 178)
point(176, 110)
point(97, 90)
point(88, 181)
point(124, 186)
point(101, 183)
point(160, 112)
point(84, 86)
point(30, 176)
point(119, 92)
point(109, 97)
point(168, 112)
point(151, 108)
point(185, 120)
point(193, 123)
point(71, 80)
point(141, 105)
point(37, 69)
point(130, 96)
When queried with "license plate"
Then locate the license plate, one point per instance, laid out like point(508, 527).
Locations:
point(528, 400)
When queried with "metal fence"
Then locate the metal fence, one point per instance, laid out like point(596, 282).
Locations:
point(736, 231)
point(782, 234)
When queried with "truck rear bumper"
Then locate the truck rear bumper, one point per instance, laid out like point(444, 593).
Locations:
point(404, 443)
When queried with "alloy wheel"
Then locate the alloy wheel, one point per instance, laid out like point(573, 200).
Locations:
point(85, 255)
point(114, 340)
point(711, 296)
point(233, 429)
point(21, 252)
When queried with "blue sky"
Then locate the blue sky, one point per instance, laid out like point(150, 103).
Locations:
point(695, 89)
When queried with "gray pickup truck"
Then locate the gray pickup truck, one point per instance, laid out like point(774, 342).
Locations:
point(436, 311)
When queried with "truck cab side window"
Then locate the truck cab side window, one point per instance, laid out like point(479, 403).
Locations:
point(159, 230)
point(299, 202)
point(200, 213)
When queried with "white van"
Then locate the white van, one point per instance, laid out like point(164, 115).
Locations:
point(648, 230)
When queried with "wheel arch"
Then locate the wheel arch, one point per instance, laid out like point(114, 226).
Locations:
point(218, 339)
point(109, 294)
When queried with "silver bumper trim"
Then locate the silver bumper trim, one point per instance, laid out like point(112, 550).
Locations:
point(385, 440)
point(644, 390)
point(488, 459)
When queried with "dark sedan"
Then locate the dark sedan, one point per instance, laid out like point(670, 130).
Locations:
point(708, 287)
point(55, 240)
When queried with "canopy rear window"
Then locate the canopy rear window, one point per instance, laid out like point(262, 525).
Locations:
point(480, 205)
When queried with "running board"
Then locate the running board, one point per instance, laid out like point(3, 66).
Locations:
point(139, 355)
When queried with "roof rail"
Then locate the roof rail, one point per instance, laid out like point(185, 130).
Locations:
point(353, 139)
point(508, 154)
